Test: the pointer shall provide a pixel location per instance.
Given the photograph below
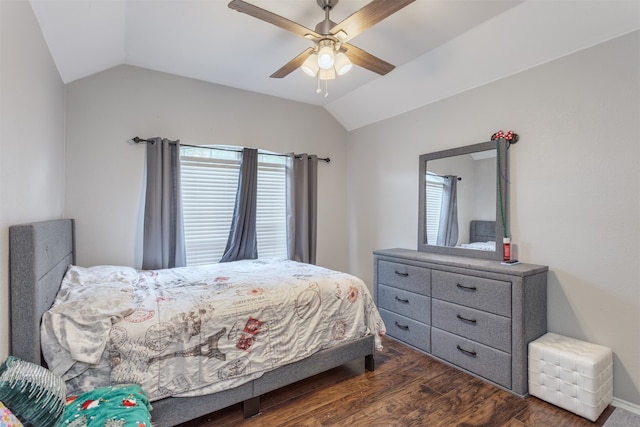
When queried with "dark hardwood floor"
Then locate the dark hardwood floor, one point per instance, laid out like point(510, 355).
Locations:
point(407, 388)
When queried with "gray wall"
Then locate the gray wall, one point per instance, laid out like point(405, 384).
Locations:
point(31, 135)
point(105, 174)
point(575, 186)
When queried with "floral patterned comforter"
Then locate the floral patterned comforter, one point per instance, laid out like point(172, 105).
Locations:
point(197, 330)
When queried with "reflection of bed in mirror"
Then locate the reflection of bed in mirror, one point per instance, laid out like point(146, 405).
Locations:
point(482, 236)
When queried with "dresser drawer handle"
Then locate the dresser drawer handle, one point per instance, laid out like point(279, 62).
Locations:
point(464, 319)
point(467, 352)
point(403, 327)
point(402, 300)
point(467, 288)
point(402, 274)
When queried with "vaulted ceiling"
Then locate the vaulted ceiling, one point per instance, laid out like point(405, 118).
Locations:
point(439, 47)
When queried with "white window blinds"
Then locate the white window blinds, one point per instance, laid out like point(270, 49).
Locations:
point(434, 203)
point(209, 185)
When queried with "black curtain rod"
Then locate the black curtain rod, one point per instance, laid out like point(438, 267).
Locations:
point(138, 140)
point(443, 176)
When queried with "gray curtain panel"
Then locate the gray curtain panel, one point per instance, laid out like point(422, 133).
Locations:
point(242, 242)
point(302, 207)
point(448, 230)
point(163, 241)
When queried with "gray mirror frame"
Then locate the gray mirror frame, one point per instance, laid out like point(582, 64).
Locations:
point(502, 146)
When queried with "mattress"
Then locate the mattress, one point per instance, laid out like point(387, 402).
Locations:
point(198, 330)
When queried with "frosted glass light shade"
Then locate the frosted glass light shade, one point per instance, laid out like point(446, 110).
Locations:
point(310, 65)
point(325, 57)
point(329, 74)
point(342, 64)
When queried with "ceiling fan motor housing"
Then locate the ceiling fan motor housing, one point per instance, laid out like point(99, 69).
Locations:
point(324, 27)
point(327, 3)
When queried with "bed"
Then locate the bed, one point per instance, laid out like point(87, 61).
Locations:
point(482, 236)
point(40, 256)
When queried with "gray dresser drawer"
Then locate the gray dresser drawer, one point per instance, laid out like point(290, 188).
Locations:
point(485, 294)
point(484, 361)
point(408, 304)
point(480, 326)
point(501, 308)
point(414, 333)
point(403, 276)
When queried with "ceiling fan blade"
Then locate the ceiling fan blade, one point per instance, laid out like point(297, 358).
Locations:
point(272, 18)
point(368, 16)
point(366, 60)
point(292, 65)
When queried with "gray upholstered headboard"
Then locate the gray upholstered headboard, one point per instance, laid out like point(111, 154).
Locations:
point(39, 255)
point(482, 231)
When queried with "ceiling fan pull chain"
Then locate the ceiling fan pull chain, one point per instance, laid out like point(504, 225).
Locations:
point(318, 90)
point(326, 88)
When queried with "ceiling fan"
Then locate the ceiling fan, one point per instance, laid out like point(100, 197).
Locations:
point(330, 54)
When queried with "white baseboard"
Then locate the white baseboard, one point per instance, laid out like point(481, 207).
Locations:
point(631, 407)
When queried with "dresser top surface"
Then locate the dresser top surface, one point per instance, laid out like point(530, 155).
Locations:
point(522, 269)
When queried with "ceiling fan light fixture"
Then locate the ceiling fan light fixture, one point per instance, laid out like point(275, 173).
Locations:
point(326, 56)
point(327, 59)
point(329, 74)
point(342, 64)
point(310, 65)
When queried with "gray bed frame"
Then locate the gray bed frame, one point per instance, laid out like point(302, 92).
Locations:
point(40, 254)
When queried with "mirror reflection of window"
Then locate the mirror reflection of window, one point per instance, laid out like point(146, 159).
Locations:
point(433, 205)
point(476, 193)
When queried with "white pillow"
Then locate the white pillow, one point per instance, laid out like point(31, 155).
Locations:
point(100, 274)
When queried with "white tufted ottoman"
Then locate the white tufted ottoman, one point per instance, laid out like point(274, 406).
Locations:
point(572, 374)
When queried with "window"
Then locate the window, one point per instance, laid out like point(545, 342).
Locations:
point(434, 203)
point(209, 185)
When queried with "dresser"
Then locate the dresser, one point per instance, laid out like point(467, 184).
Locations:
point(477, 315)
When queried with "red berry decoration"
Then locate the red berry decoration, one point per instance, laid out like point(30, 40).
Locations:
point(509, 136)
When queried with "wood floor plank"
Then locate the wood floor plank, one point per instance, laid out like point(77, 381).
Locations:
point(376, 402)
point(540, 413)
point(494, 409)
point(320, 381)
point(513, 423)
point(460, 402)
point(407, 389)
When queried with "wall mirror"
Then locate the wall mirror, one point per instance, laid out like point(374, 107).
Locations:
point(463, 200)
